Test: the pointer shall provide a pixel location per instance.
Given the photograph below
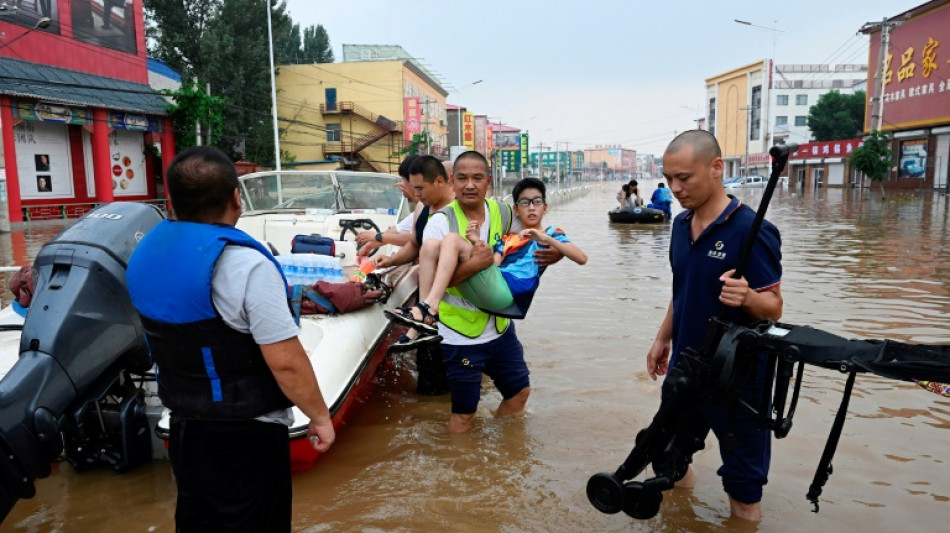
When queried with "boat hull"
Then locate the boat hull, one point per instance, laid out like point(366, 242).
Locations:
point(637, 215)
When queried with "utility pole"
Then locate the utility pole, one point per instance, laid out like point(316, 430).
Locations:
point(557, 162)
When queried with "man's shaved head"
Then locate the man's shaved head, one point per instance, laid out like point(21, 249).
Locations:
point(704, 144)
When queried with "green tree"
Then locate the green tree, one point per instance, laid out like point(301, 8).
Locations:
point(176, 29)
point(316, 45)
point(874, 158)
point(417, 145)
point(224, 43)
point(837, 116)
point(192, 105)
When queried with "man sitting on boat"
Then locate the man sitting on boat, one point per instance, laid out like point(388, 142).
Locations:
point(213, 303)
point(401, 233)
point(662, 199)
point(429, 179)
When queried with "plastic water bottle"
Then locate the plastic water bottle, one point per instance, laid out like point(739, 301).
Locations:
point(323, 272)
point(337, 269)
point(309, 272)
point(288, 267)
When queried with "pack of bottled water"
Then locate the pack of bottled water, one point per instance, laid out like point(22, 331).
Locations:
point(307, 269)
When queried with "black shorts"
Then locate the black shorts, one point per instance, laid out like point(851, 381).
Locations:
point(231, 476)
point(501, 359)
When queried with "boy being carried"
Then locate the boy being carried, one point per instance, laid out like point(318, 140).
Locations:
point(506, 287)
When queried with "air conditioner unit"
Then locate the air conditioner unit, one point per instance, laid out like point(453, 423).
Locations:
point(442, 122)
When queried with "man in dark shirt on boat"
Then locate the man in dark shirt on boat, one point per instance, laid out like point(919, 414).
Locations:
point(401, 233)
point(213, 303)
point(704, 252)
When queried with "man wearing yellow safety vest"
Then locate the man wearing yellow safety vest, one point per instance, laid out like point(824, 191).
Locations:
point(474, 342)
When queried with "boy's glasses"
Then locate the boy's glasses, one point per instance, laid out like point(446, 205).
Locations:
point(525, 202)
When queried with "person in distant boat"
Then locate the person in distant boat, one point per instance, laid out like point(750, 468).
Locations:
point(506, 287)
point(705, 246)
point(634, 194)
point(214, 306)
point(624, 197)
point(662, 199)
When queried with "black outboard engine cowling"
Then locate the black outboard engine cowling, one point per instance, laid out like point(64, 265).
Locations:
point(81, 340)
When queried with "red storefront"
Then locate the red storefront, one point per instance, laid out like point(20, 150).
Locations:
point(824, 164)
point(916, 94)
point(79, 123)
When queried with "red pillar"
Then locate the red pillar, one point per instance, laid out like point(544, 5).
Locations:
point(168, 151)
point(101, 157)
point(9, 159)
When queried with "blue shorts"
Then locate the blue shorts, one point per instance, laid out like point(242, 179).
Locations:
point(745, 456)
point(501, 359)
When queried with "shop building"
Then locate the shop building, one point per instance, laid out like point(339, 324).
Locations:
point(910, 97)
point(79, 123)
point(818, 165)
point(360, 113)
point(612, 159)
point(743, 102)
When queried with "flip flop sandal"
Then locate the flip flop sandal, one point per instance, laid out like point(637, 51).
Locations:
point(405, 344)
point(404, 316)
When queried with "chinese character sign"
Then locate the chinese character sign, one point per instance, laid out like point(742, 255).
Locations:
point(524, 149)
point(468, 130)
point(813, 150)
point(481, 134)
point(916, 92)
point(413, 116)
point(511, 160)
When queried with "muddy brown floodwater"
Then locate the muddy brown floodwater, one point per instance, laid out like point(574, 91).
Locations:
point(854, 266)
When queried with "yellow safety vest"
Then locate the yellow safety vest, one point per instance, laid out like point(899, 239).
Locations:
point(455, 311)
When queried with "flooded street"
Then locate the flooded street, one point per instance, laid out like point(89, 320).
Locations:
point(853, 266)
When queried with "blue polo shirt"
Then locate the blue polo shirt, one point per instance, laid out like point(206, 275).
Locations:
point(698, 265)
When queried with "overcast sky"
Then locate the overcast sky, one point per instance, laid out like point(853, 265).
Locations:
point(625, 72)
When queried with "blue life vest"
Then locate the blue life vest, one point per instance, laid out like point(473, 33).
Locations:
point(206, 369)
point(662, 195)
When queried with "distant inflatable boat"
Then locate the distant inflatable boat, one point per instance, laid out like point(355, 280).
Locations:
point(636, 215)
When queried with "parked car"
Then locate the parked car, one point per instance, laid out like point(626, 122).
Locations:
point(747, 182)
point(727, 181)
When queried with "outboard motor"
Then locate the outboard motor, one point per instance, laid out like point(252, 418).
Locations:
point(71, 394)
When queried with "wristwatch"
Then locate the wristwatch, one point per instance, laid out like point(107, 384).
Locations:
point(379, 237)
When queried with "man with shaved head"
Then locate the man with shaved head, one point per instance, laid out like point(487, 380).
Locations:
point(704, 252)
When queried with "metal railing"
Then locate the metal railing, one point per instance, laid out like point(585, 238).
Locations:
point(72, 210)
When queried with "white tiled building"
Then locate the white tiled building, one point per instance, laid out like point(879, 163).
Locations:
point(796, 88)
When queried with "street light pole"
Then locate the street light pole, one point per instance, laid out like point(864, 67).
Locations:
point(775, 32)
point(273, 87)
point(41, 24)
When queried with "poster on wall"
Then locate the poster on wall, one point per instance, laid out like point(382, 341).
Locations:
point(29, 14)
point(913, 163)
point(108, 23)
point(127, 166)
point(506, 140)
point(43, 161)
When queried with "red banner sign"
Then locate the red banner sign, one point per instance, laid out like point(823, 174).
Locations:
point(827, 149)
point(413, 115)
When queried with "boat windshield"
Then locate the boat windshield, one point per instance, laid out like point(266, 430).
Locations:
point(334, 191)
point(369, 191)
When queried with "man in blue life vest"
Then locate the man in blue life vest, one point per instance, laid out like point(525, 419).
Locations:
point(662, 199)
point(214, 306)
point(705, 246)
point(474, 342)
